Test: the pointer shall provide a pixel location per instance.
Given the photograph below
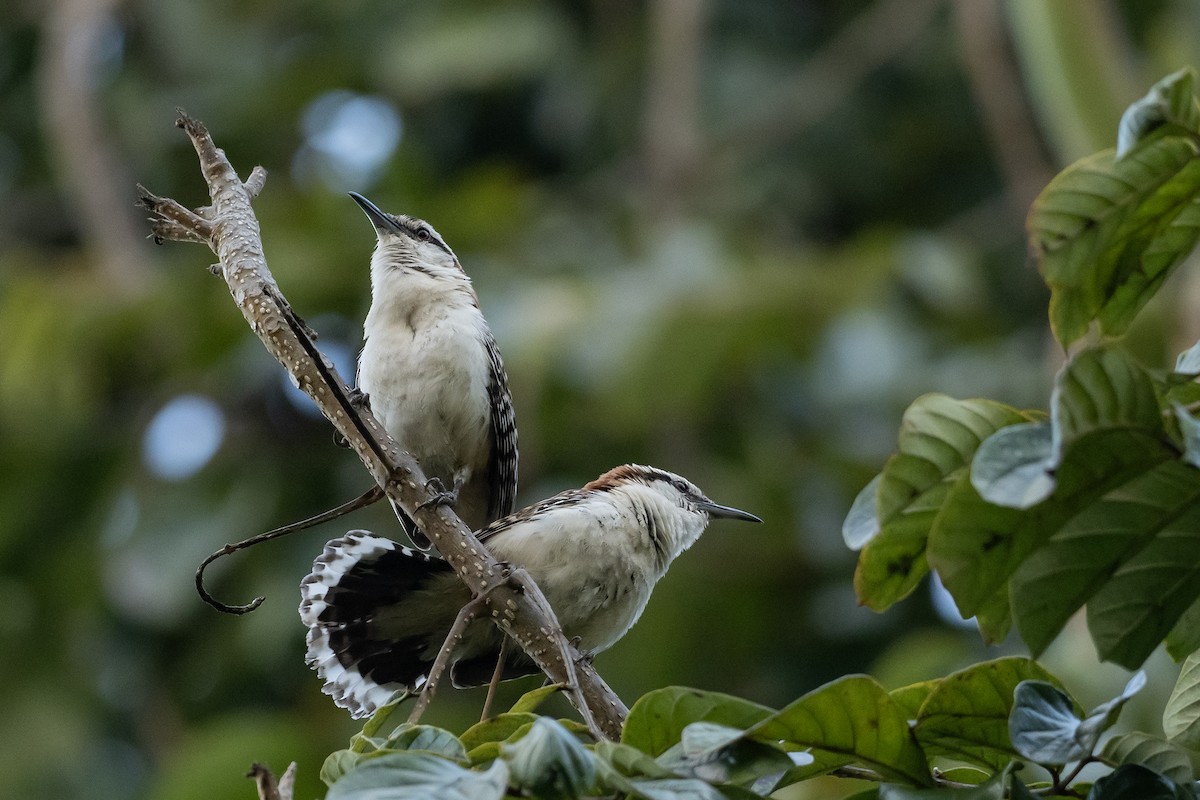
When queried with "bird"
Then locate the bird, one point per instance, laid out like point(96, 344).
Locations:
point(377, 612)
point(431, 372)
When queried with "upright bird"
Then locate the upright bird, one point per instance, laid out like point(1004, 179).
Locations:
point(377, 613)
point(432, 372)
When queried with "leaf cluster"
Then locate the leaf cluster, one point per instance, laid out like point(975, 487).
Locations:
point(999, 728)
point(1025, 515)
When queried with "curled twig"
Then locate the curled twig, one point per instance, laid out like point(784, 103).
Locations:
point(372, 495)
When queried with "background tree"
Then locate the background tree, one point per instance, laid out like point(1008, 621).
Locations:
point(734, 241)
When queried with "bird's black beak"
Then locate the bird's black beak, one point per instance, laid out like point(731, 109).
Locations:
point(383, 222)
point(726, 512)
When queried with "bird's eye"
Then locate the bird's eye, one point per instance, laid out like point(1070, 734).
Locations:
point(681, 486)
point(423, 235)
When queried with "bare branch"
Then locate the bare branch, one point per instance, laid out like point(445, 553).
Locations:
point(512, 601)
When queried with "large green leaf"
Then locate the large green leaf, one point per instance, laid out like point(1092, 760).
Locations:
point(1184, 638)
point(1046, 728)
point(965, 717)
point(1181, 717)
point(398, 776)
point(1094, 226)
point(657, 719)
point(1135, 544)
point(976, 546)
point(1100, 389)
point(849, 720)
point(938, 437)
point(1158, 754)
point(549, 761)
point(1152, 588)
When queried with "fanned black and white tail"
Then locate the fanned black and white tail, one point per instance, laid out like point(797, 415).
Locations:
point(364, 638)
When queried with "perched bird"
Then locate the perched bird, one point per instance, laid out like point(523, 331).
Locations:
point(432, 373)
point(378, 613)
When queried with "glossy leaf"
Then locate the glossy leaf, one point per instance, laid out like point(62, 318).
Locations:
point(1184, 638)
point(426, 738)
point(337, 764)
point(676, 789)
point(657, 719)
point(1136, 782)
point(849, 720)
point(1101, 232)
point(1158, 754)
point(1171, 101)
point(719, 754)
point(549, 761)
point(976, 546)
point(629, 761)
point(1012, 468)
point(991, 789)
point(965, 717)
point(861, 524)
point(1128, 554)
point(1181, 717)
point(1043, 724)
point(1045, 728)
point(400, 776)
point(529, 702)
point(938, 436)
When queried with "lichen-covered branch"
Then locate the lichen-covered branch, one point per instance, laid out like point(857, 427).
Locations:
point(230, 228)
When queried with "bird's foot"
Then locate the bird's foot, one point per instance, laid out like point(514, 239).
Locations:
point(439, 495)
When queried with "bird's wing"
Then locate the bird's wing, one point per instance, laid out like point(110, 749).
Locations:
point(502, 466)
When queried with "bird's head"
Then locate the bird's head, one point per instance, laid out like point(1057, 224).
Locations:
point(408, 245)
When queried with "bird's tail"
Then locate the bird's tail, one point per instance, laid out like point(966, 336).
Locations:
point(362, 639)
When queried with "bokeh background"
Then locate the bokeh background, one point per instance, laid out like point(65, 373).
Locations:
point(731, 239)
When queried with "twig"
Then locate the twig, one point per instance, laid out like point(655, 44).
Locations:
point(372, 495)
point(231, 230)
point(268, 789)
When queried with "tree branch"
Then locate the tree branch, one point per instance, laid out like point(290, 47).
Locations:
point(513, 601)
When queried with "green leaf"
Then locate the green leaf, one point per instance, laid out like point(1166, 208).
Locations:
point(676, 789)
point(1012, 468)
point(496, 729)
point(1042, 725)
point(427, 738)
point(1135, 782)
point(1181, 717)
point(1171, 101)
point(419, 776)
point(991, 789)
point(1129, 550)
point(549, 762)
point(1107, 429)
point(1152, 588)
point(1158, 754)
point(938, 436)
point(851, 719)
point(911, 697)
point(1045, 728)
point(337, 764)
point(629, 761)
point(368, 740)
point(965, 717)
point(1184, 638)
point(720, 754)
point(862, 521)
point(1100, 232)
point(529, 702)
point(657, 719)
point(976, 546)
point(1189, 426)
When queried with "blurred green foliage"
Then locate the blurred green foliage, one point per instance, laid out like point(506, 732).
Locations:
point(732, 240)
